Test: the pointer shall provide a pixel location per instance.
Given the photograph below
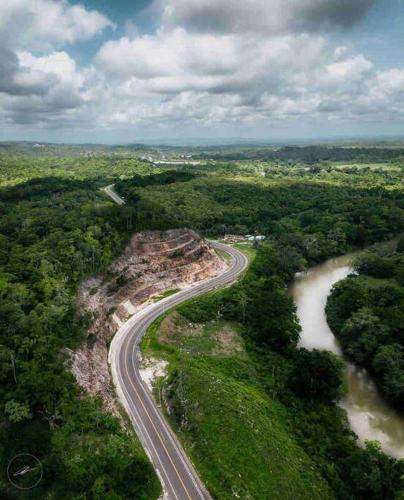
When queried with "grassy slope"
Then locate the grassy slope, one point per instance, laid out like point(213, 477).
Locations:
point(235, 434)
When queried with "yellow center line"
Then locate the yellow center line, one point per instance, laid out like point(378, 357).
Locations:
point(155, 428)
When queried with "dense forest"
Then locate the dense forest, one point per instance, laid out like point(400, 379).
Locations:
point(309, 154)
point(366, 312)
point(57, 227)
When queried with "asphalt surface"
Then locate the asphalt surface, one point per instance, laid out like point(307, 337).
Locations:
point(109, 190)
point(177, 474)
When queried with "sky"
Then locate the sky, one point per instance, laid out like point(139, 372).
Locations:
point(126, 71)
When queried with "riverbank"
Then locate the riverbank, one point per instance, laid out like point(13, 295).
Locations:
point(370, 417)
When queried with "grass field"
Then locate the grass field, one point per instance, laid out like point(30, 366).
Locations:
point(237, 436)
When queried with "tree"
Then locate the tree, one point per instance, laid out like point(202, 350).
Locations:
point(318, 376)
point(17, 411)
point(271, 314)
point(400, 244)
point(373, 265)
point(362, 334)
point(374, 475)
point(389, 365)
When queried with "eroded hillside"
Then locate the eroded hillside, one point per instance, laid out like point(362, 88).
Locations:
point(152, 262)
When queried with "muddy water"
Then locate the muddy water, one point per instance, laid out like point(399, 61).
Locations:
point(370, 417)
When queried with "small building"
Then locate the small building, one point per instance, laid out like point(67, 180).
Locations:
point(255, 237)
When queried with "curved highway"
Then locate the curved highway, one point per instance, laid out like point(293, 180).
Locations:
point(177, 474)
point(109, 191)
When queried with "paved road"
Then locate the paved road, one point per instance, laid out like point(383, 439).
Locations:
point(178, 476)
point(109, 190)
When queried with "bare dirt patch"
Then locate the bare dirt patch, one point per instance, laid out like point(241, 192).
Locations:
point(175, 326)
point(228, 341)
point(152, 369)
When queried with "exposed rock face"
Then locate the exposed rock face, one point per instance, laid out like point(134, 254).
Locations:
point(151, 263)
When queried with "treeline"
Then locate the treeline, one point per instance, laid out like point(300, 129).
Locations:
point(308, 154)
point(308, 383)
point(366, 312)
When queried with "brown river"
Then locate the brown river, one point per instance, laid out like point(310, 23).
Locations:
point(369, 415)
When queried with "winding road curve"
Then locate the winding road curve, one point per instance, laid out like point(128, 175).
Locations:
point(177, 474)
point(109, 191)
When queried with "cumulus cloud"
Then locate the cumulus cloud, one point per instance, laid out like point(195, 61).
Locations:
point(208, 63)
point(36, 87)
point(58, 64)
point(177, 61)
point(176, 76)
point(391, 81)
point(176, 54)
point(236, 62)
point(63, 88)
point(38, 24)
point(270, 17)
point(17, 81)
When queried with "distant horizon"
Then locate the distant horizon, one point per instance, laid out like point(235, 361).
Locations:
point(195, 142)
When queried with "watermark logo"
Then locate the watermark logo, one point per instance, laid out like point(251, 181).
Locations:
point(24, 471)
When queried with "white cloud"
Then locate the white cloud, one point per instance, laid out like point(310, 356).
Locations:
point(269, 17)
point(391, 81)
point(64, 88)
point(239, 61)
point(205, 77)
point(37, 24)
point(209, 63)
point(59, 64)
point(350, 69)
point(41, 87)
point(179, 61)
point(166, 54)
point(21, 81)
